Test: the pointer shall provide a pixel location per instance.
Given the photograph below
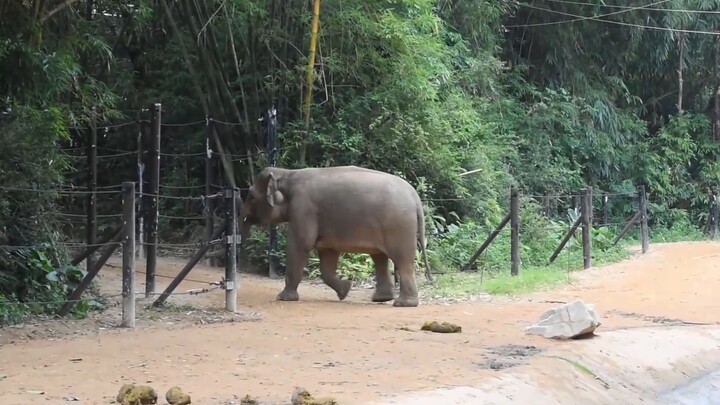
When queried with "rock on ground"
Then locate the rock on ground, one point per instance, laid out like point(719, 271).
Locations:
point(567, 321)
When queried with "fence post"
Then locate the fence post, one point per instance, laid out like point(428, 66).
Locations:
point(272, 160)
point(209, 202)
point(153, 209)
point(605, 209)
point(231, 249)
point(128, 265)
point(586, 212)
point(91, 231)
point(142, 252)
point(642, 205)
point(713, 215)
point(514, 232)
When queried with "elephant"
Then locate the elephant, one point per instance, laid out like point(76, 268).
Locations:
point(342, 209)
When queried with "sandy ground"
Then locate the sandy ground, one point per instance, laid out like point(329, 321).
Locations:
point(356, 351)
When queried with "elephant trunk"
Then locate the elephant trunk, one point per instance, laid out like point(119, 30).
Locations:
point(245, 230)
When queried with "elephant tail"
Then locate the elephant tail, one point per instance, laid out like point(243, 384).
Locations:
point(421, 239)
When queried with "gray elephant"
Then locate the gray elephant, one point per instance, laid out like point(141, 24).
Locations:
point(342, 209)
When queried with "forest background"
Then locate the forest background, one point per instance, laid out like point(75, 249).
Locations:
point(550, 96)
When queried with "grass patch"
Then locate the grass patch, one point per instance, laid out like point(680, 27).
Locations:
point(531, 278)
point(459, 285)
point(528, 280)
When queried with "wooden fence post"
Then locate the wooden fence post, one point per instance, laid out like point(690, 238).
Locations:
point(153, 209)
point(91, 231)
point(586, 212)
point(231, 249)
point(128, 266)
point(642, 203)
point(514, 232)
point(209, 202)
point(713, 215)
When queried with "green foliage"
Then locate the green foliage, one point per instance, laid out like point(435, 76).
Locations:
point(423, 89)
point(43, 93)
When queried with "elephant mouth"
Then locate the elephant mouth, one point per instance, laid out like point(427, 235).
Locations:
point(249, 220)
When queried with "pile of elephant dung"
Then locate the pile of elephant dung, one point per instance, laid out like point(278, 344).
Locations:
point(301, 396)
point(131, 394)
point(176, 396)
point(248, 400)
point(445, 327)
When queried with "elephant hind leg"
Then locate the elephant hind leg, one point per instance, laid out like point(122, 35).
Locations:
point(383, 281)
point(405, 268)
point(328, 271)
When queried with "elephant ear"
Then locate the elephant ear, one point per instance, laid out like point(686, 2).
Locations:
point(273, 195)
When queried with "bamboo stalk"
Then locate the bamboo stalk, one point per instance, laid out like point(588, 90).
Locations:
point(309, 81)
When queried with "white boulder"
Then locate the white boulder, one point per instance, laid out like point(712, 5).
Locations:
point(566, 321)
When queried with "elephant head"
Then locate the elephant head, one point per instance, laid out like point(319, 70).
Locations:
point(266, 201)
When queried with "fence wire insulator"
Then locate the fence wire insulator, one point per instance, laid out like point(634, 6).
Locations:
point(220, 284)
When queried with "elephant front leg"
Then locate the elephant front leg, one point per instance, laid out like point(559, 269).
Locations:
point(296, 259)
point(383, 281)
point(328, 271)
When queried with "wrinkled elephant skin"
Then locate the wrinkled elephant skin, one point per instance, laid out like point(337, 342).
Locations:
point(342, 209)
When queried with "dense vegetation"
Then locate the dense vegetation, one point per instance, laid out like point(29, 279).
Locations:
point(548, 95)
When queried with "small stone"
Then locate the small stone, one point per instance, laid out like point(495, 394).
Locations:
point(567, 321)
point(176, 396)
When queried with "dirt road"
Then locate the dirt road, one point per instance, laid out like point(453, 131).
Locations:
point(353, 350)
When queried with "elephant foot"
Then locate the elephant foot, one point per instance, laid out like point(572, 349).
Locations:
point(344, 289)
point(405, 302)
point(288, 296)
point(383, 295)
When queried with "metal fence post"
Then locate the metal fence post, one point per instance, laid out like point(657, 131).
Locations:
point(586, 215)
point(514, 232)
point(272, 151)
point(128, 264)
point(209, 202)
point(231, 249)
point(642, 205)
point(91, 230)
point(153, 209)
